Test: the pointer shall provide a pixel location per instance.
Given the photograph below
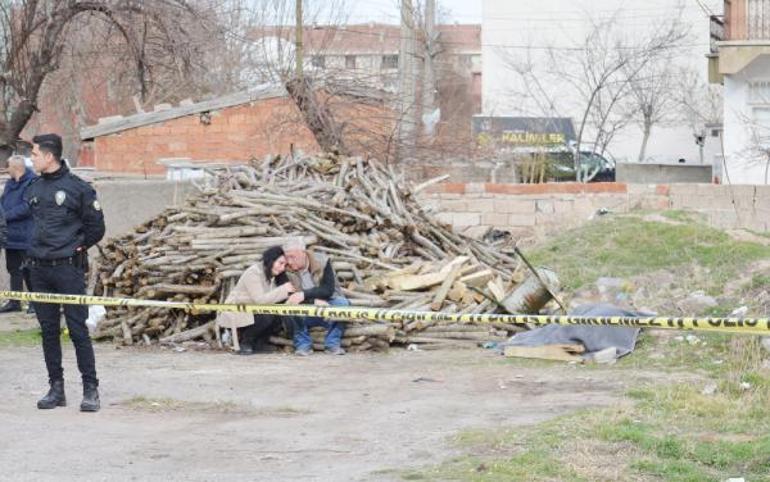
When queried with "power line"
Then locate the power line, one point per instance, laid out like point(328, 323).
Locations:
point(398, 37)
point(705, 8)
point(564, 19)
point(508, 46)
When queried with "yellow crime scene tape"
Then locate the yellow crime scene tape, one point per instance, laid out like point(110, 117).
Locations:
point(750, 326)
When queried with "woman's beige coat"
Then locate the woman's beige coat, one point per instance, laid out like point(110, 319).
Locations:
point(253, 288)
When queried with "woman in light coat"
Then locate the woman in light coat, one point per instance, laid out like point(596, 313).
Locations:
point(264, 283)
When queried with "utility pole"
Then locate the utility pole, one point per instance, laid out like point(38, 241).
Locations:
point(407, 83)
point(429, 72)
point(298, 40)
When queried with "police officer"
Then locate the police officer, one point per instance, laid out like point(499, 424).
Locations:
point(68, 221)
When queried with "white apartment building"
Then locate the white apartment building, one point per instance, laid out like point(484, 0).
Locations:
point(741, 62)
point(520, 33)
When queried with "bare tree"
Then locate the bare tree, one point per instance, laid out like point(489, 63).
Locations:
point(254, 41)
point(255, 45)
point(605, 71)
point(37, 34)
point(756, 150)
point(696, 102)
point(653, 100)
point(600, 71)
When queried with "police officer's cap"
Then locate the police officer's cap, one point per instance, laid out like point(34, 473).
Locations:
point(50, 142)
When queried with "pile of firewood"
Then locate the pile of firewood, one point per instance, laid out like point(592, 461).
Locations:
point(388, 251)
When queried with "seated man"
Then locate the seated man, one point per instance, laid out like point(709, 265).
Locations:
point(264, 283)
point(315, 282)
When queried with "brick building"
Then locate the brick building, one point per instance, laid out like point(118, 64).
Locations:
point(367, 54)
point(79, 95)
point(370, 51)
point(230, 129)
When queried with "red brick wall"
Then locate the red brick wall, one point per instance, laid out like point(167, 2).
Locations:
point(530, 189)
point(238, 134)
point(235, 134)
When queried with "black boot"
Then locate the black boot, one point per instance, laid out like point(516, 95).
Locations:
point(90, 398)
point(54, 398)
point(30, 309)
point(10, 307)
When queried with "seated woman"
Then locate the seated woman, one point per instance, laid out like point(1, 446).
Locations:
point(260, 284)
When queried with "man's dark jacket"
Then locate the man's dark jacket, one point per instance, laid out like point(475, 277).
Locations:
point(18, 215)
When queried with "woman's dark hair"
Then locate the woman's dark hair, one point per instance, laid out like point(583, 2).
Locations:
point(268, 258)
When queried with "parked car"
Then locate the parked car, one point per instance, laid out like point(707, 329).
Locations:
point(597, 167)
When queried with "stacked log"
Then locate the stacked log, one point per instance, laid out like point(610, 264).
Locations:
point(388, 251)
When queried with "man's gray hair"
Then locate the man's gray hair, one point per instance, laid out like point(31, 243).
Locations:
point(295, 243)
point(17, 159)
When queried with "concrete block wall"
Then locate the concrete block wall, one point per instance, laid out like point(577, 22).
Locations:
point(543, 208)
point(725, 206)
point(128, 203)
point(649, 173)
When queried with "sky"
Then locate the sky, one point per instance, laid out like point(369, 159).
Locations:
point(386, 11)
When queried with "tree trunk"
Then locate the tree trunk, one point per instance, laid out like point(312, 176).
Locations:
point(645, 138)
point(9, 133)
point(429, 74)
point(579, 139)
point(318, 117)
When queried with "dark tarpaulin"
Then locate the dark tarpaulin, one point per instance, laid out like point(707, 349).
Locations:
point(594, 338)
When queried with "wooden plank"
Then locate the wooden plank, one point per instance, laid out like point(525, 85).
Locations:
point(415, 281)
point(375, 282)
point(458, 261)
point(443, 291)
point(546, 352)
point(495, 287)
point(478, 279)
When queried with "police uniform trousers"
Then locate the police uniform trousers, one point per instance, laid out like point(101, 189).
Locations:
point(63, 278)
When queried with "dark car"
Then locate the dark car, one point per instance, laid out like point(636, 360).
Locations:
point(561, 167)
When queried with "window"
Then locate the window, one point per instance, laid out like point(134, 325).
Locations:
point(390, 61)
point(759, 92)
point(350, 61)
point(318, 61)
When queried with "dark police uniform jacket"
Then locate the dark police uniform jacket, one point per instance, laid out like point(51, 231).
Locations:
point(68, 217)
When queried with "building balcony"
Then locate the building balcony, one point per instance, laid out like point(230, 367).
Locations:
point(747, 20)
point(738, 37)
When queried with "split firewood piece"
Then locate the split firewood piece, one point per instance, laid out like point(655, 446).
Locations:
point(495, 287)
point(189, 334)
point(446, 285)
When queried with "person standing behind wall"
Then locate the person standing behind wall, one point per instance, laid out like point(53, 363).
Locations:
point(68, 220)
point(18, 217)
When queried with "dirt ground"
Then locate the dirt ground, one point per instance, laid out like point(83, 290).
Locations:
point(215, 416)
